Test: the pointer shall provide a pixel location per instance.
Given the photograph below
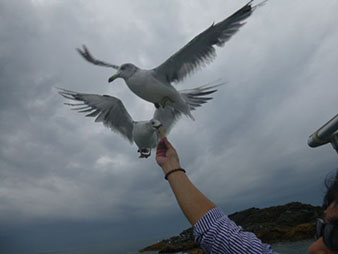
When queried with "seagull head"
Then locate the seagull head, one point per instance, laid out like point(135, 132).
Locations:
point(125, 71)
point(156, 124)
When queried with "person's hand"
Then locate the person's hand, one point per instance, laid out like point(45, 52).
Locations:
point(166, 155)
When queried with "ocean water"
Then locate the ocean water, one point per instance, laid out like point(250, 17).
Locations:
point(131, 248)
point(301, 247)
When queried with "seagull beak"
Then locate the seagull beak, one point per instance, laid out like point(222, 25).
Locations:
point(112, 78)
point(158, 126)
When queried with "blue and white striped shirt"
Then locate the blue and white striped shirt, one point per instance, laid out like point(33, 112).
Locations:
point(217, 234)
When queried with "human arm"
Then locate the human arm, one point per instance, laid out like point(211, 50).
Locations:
point(213, 230)
point(193, 203)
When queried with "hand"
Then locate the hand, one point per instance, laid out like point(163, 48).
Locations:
point(166, 155)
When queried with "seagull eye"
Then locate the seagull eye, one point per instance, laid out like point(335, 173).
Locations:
point(123, 68)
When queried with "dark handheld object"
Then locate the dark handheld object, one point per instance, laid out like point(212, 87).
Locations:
point(329, 232)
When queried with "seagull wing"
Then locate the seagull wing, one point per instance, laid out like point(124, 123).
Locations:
point(200, 50)
point(88, 56)
point(107, 109)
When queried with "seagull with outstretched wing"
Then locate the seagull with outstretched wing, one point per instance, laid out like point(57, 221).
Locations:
point(155, 85)
point(112, 113)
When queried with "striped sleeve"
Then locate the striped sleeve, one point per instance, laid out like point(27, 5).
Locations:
point(216, 233)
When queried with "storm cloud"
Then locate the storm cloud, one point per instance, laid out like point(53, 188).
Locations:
point(246, 148)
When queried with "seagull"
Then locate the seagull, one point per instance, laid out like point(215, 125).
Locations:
point(112, 113)
point(155, 85)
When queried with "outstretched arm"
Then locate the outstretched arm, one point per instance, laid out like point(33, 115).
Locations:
point(192, 202)
point(213, 230)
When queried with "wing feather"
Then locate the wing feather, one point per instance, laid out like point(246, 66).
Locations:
point(88, 56)
point(200, 50)
point(107, 109)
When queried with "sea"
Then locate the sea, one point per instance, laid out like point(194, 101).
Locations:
point(300, 247)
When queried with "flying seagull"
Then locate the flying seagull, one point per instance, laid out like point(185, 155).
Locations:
point(155, 85)
point(112, 113)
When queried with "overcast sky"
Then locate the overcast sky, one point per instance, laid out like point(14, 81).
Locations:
point(61, 172)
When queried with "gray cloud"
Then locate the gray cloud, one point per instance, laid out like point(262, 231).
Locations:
point(246, 148)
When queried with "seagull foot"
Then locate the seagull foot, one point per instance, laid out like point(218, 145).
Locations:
point(144, 153)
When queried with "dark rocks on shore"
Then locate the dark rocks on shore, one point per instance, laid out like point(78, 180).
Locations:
point(291, 222)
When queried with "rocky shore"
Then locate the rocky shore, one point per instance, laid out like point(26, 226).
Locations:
point(291, 222)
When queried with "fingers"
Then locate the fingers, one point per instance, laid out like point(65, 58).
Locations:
point(160, 153)
point(167, 143)
point(162, 145)
point(161, 148)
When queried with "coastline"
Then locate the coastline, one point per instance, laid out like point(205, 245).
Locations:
point(291, 222)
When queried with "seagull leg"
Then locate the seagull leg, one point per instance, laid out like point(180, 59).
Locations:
point(148, 154)
point(141, 153)
point(144, 153)
point(165, 100)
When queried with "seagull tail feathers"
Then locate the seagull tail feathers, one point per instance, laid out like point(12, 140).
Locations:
point(197, 96)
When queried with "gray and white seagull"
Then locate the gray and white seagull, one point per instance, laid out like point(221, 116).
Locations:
point(155, 85)
point(111, 112)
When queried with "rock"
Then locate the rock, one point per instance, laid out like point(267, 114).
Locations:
point(183, 242)
point(291, 222)
point(302, 231)
point(196, 251)
point(280, 223)
point(156, 247)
